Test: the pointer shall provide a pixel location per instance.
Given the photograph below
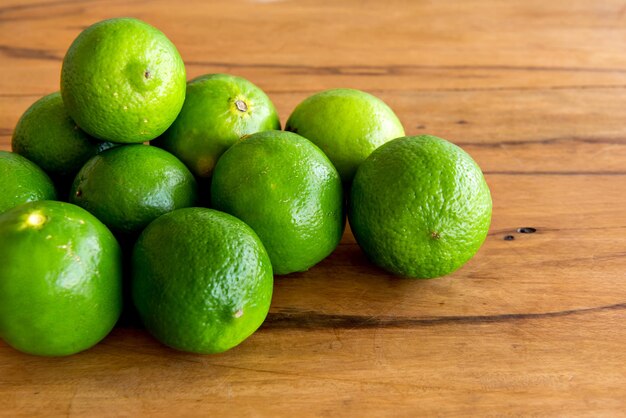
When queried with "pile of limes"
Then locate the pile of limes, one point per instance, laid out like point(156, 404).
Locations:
point(194, 225)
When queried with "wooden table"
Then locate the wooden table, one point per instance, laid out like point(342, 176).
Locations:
point(534, 90)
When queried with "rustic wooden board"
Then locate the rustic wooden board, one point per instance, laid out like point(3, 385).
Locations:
point(534, 90)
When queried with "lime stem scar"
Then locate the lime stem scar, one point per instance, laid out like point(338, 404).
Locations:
point(36, 219)
point(241, 105)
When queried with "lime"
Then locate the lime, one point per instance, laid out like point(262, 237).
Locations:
point(288, 191)
point(60, 279)
point(123, 81)
point(128, 187)
point(22, 181)
point(202, 281)
point(419, 207)
point(46, 135)
point(219, 109)
point(346, 124)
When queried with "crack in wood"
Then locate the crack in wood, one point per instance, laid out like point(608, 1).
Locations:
point(499, 232)
point(554, 173)
point(21, 7)
point(546, 141)
point(316, 320)
point(29, 53)
point(385, 70)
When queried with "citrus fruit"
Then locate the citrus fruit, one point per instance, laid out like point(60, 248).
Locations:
point(347, 124)
point(46, 135)
point(22, 181)
point(419, 207)
point(60, 279)
point(123, 81)
point(288, 191)
point(202, 281)
point(219, 109)
point(128, 187)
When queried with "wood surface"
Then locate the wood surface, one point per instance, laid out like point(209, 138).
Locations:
point(534, 90)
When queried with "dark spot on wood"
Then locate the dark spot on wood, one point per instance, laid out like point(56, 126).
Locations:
point(421, 126)
point(462, 122)
point(526, 230)
point(509, 237)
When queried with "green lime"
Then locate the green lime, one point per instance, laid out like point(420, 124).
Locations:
point(60, 279)
point(288, 191)
point(46, 135)
point(22, 181)
point(123, 81)
point(219, 109)
point(420, 207)
point(128, 187)
point(346, 124)
point(202, 281)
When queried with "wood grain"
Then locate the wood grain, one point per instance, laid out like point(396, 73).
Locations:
point(533, 326)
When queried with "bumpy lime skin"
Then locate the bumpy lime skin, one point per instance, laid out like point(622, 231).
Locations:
point(287, 190)
point(420, 207)
point(22, 181)
point(202, 281)
point(219, 109)
point(123, 81)
point(347, 124)
point(60, 279)
point(46, 135)
point(128, 187)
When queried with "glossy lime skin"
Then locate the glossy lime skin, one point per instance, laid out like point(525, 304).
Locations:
point(123, 81)
point(285, 188)
point(219, 109)
point(347, 124)
point(202, 281)
point(46, 135)
point(128, 187)
point(419, 207)
point(22, 181)
point(60, 279)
